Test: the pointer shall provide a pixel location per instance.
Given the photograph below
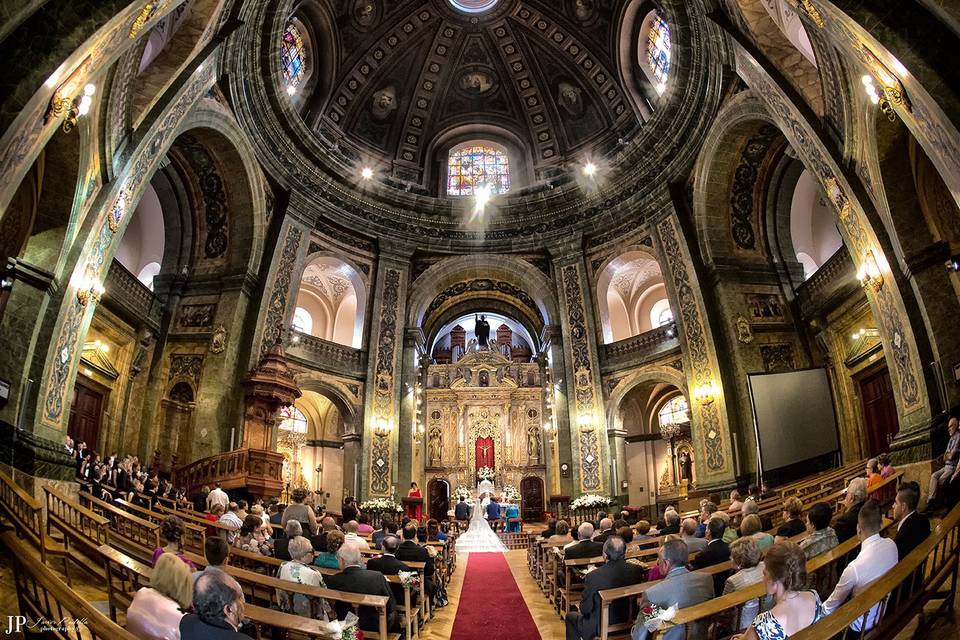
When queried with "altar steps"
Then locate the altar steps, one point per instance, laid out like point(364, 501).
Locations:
point(513, 541)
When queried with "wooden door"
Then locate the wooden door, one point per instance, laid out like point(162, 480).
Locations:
point(438, 493)
point(531, 499)
point(880, 417)
point(85, 414)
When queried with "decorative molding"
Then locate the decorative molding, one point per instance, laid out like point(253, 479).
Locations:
point(216, 212)
point(185, 366)
point(484, 285)
point(777, 357)
point(384, 383)
point(197, 315)
point(277, 307)
point(744, 182)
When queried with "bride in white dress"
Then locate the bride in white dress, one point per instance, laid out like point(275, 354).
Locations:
point(479, 537)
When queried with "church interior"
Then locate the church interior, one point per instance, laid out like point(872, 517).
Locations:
point(514, 318)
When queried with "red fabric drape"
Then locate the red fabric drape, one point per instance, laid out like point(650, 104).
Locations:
point(484, 453)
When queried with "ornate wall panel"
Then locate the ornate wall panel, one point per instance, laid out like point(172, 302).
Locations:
point(384, 383)
point(280, 294)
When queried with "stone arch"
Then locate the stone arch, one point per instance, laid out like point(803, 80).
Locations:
point(349, 409)
point(637, 266)
point(360, 290)
point(515, 146)
point(658, 373)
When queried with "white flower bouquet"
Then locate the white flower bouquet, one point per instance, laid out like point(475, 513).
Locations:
point(380, 505)
point(510, 493)
point(486, 473)
point(463, 492)
point(409, 579)
point(591, 501)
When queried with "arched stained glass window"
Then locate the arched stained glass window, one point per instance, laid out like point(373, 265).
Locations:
point(476, 164)
point(302, 320)
point(658, 50)
point(292, 55)
point(675, 411)
point(292, 419)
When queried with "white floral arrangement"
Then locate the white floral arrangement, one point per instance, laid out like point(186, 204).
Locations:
point(409, 579)
point(591, 501)
point(486, 473)
point(380, 504)
point(510, 493)
point(463, 492)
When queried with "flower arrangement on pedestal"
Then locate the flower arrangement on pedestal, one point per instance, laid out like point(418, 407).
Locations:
point(591, 501)
point(510, 493)
point(383, 505)
point(486, 473)
point(463, 492)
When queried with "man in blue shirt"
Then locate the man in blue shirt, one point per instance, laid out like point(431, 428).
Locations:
point(493, 513)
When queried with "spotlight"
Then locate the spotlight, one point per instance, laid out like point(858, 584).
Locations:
point(291, 89)
point(367, 173)
point(483, 197)
point(589, 169)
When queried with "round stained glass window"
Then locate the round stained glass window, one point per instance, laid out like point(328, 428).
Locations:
point(472, 6)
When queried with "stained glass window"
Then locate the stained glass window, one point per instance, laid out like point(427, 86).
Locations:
point(675, 411)
point(475, 165)
point(292, 419)
point(292, 55)
point(658, 49)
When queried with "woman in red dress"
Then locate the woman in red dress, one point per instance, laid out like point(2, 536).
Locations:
point(414, 511)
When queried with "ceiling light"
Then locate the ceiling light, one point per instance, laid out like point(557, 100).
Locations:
point(589, 169)
point(367, 173)
point(291, 89)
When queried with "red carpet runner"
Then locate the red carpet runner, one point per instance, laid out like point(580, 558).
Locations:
point(491, 605)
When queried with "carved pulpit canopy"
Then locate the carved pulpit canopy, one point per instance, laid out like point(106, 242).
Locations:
point(265, 389)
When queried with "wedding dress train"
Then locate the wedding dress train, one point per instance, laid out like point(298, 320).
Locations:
point(479, 537)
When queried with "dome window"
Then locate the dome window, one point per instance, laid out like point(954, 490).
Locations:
point(473, 6)
point(658, 51)
point(476, 164)
point(292, 56)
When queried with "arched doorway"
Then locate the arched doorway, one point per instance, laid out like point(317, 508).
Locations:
point(438, 497)
point(531, 499)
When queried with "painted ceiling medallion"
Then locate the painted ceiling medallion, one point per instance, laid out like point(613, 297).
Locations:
point(472, 6)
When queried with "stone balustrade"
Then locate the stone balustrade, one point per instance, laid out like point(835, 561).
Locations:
point(127, 296)
point(833, 281)
point(639, 349)
point(325, 355)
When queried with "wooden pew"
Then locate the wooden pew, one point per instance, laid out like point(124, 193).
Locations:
point(41, 595)
point(193, 539)
point(26, 514)
point(80, 528)
point(133, 535)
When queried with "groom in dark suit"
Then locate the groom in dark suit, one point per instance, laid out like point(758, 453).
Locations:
point(913, 528)
point(462, 510)
point(615, 572)
point(493, 513)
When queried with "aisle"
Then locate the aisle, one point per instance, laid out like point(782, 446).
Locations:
point(490, 603)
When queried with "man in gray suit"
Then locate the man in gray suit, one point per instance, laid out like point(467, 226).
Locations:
point(680, 588)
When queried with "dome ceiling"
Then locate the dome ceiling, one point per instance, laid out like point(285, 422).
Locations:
point(412, 73)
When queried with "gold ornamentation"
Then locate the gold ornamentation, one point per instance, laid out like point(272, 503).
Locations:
point(142, 18)
point(813, 13)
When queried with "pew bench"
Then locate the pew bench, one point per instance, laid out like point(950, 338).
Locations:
point(25, 513)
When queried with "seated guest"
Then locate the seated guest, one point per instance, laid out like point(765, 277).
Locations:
point(877, 556)
point(242, 509)
point(671, 521)
point(349, 509)
point(604, 532)
point(298, 570)
point(388, 565)
point(873, 473)
point(729, 533)
point(275, 512)
point(217, 552)
point(328, 558)
point(319, 541)
point(642, 532)
point(562, 534)
point(680, 588)
point(585, 547)
point(251, 538)
point(217, 610)
point(363, 524)
point(792, 524)
point(615, 572)
point(300, 511)
point(750, 507)
point(750, 528)
point(156, 610)
point(410, 551)
point(794, 609)
point(258, 511)
point(912, 527)
point(707, 509)
point(462, 511)
point(822, 538)
point(846, 524)
point(200, 500)
point(433, 532)
point(550, 530)
point(736, 503)
point(172, 531)
point(653, 573)
point(746, 559)
point(280, 549)
point(353, 578)
point(688, 533)
point(886, 467)
point(940, 478)
point(353, 537)
point(385, 524)
point(626, 533)
point(232, 521)
point(717, 551)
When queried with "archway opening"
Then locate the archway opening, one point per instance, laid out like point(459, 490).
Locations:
point(310, 436)
point(632, 296)
point(331, 301)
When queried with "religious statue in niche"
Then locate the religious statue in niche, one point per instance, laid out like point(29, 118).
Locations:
point(384, 103)
point(744, 333)
point(482, 331)
point(685, 466)
point(218, 342)
point(476, 82)
point(484, 378)
point(570, 99)
point(765, 308)
point(584, 9)
point(364, 12)
point(435, 446)
point(533, 442)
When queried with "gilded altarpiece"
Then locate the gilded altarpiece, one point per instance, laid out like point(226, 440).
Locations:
point(484, 410)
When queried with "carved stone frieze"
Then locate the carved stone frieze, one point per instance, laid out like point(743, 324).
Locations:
point(384, 383)
point(280, 294)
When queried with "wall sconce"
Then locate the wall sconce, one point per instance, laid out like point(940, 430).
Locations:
point(89, 288)
point(953, 264)
point(885, 90)
point(418, 433)
point(70, 105)
point(381, 427)
point(585, 422)
point(869, 273)
point(707, 393)
point(863, 333)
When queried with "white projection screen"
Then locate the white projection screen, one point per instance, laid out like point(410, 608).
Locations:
point(794, 414)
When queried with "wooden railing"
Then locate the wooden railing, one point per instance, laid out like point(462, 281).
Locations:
point(326, 355)
point(257, 470)
point(47, 602)
point(639, 348)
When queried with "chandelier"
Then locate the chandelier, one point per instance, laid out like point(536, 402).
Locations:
point(671, 430)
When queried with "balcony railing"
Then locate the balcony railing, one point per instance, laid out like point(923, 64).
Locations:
point(837, 277)
point(325, 355)
point(127, 295)
point(639, 349)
